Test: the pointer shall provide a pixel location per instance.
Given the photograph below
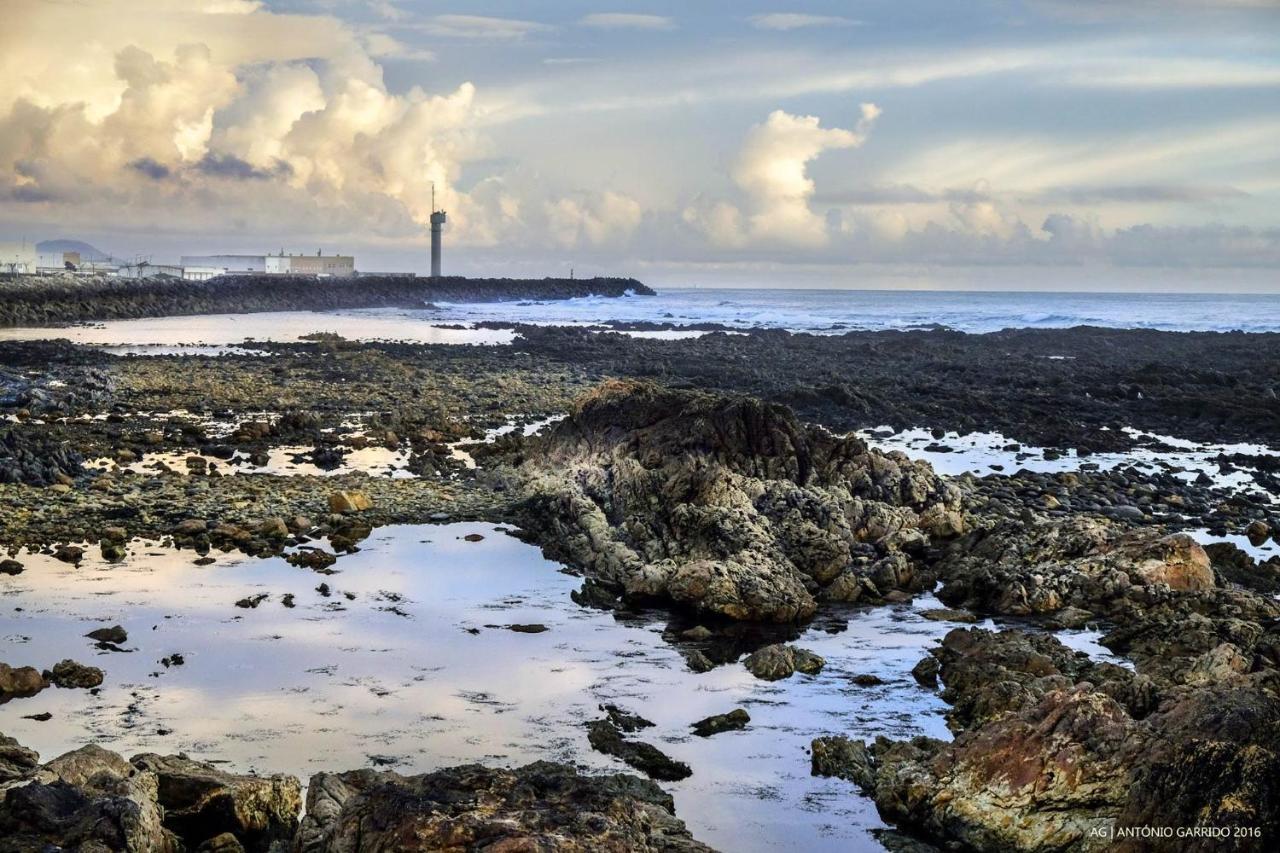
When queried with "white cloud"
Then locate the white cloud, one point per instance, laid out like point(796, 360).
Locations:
point(772, 170)
point(626, 21)
point(596, 220)
point(785, 21)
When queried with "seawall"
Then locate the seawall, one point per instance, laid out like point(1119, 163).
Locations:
point(59, 300)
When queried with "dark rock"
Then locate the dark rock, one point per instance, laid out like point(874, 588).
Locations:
point(730, 722)
point(72, 675)
point(844, 758)
point(115, 634)
point(605, 737)
point(779, 661)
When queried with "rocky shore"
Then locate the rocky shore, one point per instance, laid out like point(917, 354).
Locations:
point(94, 799)
point(59, 300)
point(714, 479)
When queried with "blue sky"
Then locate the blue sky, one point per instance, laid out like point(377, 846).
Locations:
point(907, 143)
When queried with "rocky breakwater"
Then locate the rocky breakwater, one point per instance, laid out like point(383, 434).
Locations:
point(56, 300)
point(1055, 751)
point(94, 799)
point(726, 506)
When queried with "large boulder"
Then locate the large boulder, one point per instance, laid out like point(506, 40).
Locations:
point(202, 802)
point(541, 806)
point(726, 505)
point(89, 800)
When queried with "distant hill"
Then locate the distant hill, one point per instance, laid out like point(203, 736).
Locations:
point(87, 252)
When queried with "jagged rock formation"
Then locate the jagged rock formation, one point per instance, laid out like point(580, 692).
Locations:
point(541, 806)
point(94, 800)
point(727, 506)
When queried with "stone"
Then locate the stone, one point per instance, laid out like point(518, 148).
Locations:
point(349, 501)
point(844, 758)
point(733, 721)
point(925, 672)
point(605, 737)
point(1258, 532)
point(115, 634)
point(71, 675)
point(10, 567)
point(16, 761)
point(20, 681)
point(541, 806)
point(202, 802)
point(779, 661)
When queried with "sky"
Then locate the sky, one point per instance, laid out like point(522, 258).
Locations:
point(1055, 144)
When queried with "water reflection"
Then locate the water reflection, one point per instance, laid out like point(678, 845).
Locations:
point(408, 661)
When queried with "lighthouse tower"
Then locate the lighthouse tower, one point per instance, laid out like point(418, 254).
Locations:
point(437, 232)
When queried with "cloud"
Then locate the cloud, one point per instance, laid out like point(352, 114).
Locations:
point(481, 27)
point(626, 21)
point(785, 21)
point(771, 170)
point(596, 220)
point(246, 129)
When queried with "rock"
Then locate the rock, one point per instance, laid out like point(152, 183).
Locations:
point(732, 721)
point(273, 528)
point(72, 675)
point(68, 553)
point(541, 806)
point(949, 614)
point(16, 761)
point(725, 506)
point(10, 567)
point(867, 680)
point(697, 633)
point(473, 537)
point(779, 661)
point(605, 737)
point(201, 802)
point(926, 672)
point(1258, 533)
point(844, 758)
point(190, 527)
point(251, 602)
point(624, 720)
point(20, 681)
point(349, 502)
point(114, 634)
point(86, 800)
point(312, 558)
point(528, 629)
point(224, 843)
point(112, 552)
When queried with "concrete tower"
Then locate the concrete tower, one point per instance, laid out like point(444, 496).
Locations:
point(437, 231)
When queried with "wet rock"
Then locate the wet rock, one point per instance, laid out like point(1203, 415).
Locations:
point(541, 806)
point(867, 680)
point(1231, 565)
point(72, 675)
point(1258, 532)
point(68, 553)
point(473, 537)
point(201, 802)
point(724, 505)
point(251, 602)
point(16, 761)
point(87, 800)
point(625, 720)
point(844, 758)
point(18, 681)
point(312, 558)
point(779, 661)
point(926, 672)
point(10, 567)
point(949, 614)
point(697, 633)
point(534, 628)
point(733, 721)
point(115, 634)
point(349, 501)
point(605, 737)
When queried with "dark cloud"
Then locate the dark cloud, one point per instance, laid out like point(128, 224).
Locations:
point(154, 170)
point(232, 167)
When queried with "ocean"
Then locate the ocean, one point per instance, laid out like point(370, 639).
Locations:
point(836, 311)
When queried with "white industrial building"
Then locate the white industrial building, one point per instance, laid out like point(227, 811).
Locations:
point(57, 262)
point(18, 258)
point(340, 266)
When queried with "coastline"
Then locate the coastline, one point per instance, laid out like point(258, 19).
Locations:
point(736, 445)
point(58, 300)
